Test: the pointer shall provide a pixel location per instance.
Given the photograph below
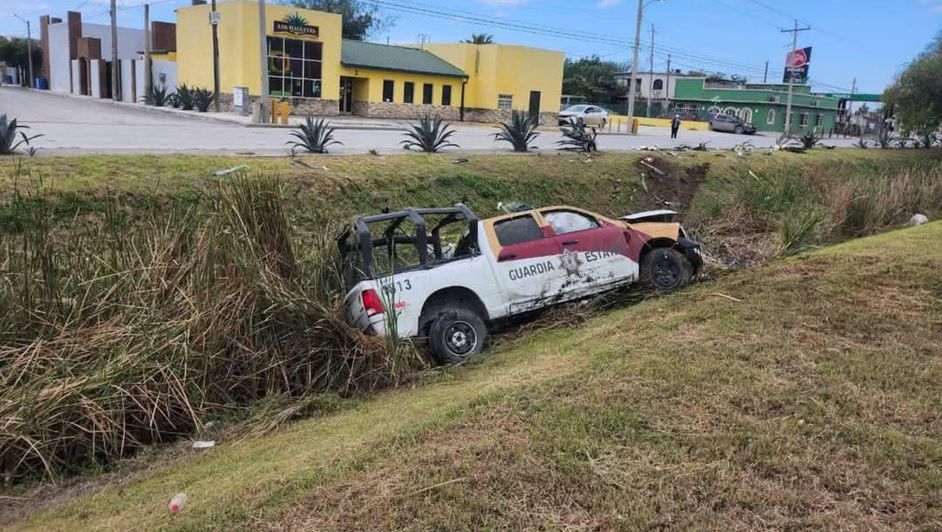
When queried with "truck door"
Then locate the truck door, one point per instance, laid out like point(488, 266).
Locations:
point(595, 253)
point(526, 261)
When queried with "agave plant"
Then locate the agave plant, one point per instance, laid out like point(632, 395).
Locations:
point(8, 140)
point(810, 139)
point(578, 138)
point(863, 143)
point(202, 99)
point(156, 95)
point(927, 138)
point(885, 138)
point(185, 97)
point(429, 135)
point(519, 132)
point(902, 142)
point(314, 136)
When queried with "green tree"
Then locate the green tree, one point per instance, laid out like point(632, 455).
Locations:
point(480, 38)
point(361, 18)
point(592, 79)
point(916, 95)
point(13, 52)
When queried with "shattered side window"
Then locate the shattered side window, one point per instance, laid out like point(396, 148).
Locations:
point(564, 222)
point(517, 230)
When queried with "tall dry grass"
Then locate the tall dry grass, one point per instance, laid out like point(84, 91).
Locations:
point(791, 209)
point(117, 333)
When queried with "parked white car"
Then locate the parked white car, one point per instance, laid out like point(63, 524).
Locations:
point(589, 115)
point(444, 277)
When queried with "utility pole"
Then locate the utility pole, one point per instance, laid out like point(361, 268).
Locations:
point(29, 52)
point(850, 104)
point(148, 73)
point(667, 85)
point(634, 64)
point(214, 21)
point(115, 93)
point(791, 79)
point(263, 57)
point(651, 74)
point(765, 77)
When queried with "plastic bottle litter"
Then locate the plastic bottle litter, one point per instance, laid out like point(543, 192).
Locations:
point(177, 502)
point(204, 444)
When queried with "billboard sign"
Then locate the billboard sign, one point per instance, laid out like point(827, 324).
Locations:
point(796, 66)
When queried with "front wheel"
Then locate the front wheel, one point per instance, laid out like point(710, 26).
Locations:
point(739, 130)
point(665, 270)
point(456, 335)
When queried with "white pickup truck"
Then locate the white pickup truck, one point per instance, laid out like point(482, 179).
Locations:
point(443, 276)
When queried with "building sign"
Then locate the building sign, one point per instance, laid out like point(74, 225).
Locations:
point(796, 66)
point(296, 25)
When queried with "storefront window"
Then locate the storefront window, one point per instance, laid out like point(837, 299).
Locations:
point(294, 67)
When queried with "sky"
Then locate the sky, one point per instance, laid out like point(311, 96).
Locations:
point(866, 40)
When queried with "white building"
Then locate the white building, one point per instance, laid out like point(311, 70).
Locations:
point(77, 55)
point(656, 85)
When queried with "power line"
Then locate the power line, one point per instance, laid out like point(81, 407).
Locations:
point(425, 10)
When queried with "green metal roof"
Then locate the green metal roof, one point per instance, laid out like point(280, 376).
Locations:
point(399, 58)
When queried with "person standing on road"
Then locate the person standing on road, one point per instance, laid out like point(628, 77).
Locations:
point(675, 126)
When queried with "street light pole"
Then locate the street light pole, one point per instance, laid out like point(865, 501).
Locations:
point(29, 51)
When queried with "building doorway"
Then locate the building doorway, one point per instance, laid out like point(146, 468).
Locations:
point(535, 105)
point(346, 95)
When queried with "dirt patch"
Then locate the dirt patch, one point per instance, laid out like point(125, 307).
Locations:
point(668, 184)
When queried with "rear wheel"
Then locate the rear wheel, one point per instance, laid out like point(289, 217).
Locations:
point(665, 270)
point(580, 122)
point(739, 130)
point(456, 335)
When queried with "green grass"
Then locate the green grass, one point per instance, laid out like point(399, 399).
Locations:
point(324, 188)
point(811, 399)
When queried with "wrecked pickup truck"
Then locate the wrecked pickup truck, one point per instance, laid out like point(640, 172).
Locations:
point(442, 276)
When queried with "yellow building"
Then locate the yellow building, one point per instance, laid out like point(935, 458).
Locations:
point(313, 67)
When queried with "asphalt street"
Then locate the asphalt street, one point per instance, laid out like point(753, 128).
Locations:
point(72, 125)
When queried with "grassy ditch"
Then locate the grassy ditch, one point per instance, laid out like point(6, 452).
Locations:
point(800, 394)
point(141, 296)
point(119, 333)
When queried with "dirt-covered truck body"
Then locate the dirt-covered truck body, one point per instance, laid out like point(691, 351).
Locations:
point(443, 275)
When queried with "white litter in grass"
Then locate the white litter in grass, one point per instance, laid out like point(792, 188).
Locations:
point(199, 444)
point(918, 219)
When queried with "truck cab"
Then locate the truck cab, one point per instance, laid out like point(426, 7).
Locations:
point(442, 276)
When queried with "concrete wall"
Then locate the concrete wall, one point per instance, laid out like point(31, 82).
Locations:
point(128, 83)
point(130, 41)
point(239, 61)
point(60, 67)
point(76, 76)
point(496, 69)
point(164, 72)
point(644, 82)
point(95, 68)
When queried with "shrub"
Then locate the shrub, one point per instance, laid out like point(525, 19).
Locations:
point(314, 136)
point(185, 97)
point(156, 95)
point(810, 139)
point(202, 99)
point(519, 132)
point(578, 138)
point(8, 140)
point(927, 138)
point(429, 135)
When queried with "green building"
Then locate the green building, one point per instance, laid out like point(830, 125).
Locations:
point(761, 104)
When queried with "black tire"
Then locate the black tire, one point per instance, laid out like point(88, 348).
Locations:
point(456, 335)
point(739, 130)
point(604, 121)
point(580, 122)
point(665, 270)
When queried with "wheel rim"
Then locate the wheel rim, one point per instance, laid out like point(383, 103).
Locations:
point(666, 272)
point(460, 338)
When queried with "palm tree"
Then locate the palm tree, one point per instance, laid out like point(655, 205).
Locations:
point(480, 38)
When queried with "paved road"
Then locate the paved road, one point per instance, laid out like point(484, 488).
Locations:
point(76, 126)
